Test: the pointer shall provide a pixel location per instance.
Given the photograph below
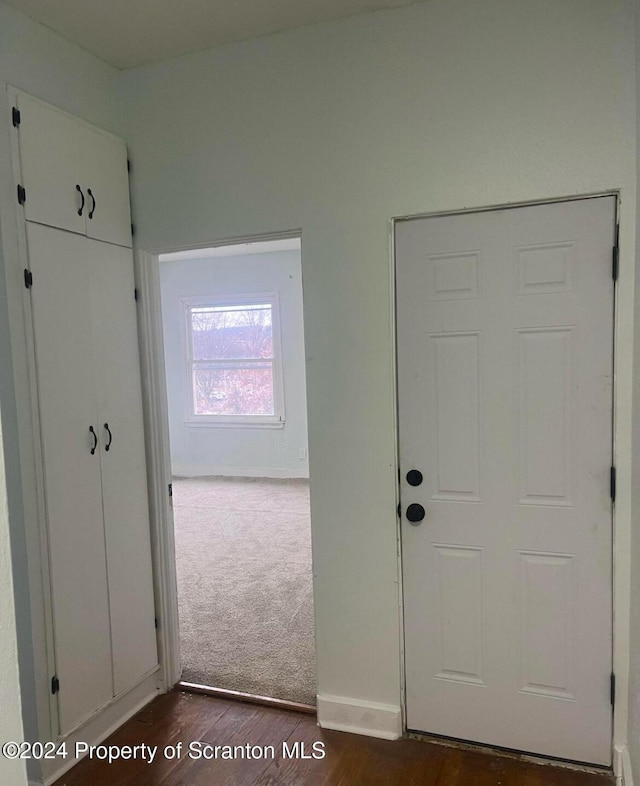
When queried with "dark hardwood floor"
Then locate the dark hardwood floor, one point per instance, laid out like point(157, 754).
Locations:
point(350, 760)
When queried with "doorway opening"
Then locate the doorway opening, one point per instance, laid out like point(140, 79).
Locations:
point(235, 377)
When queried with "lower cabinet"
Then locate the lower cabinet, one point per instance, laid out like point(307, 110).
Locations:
point(95, 485)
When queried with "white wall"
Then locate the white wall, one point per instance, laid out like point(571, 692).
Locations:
point(12, 772)
point(634, 653)
point(254, 452)
point(336, 128)
point(42, 63)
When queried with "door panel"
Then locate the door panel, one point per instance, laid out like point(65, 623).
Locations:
point(505, 334)
point(456, 398)
point(108, 214)
point(52, 164)
point(124, 479)
point(66, 391)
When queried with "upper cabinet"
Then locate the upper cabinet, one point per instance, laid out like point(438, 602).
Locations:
point(74, 175)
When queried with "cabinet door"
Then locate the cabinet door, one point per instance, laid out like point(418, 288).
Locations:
point(107, 178)
point(51, 163)
point(124, 478)
point(73, 497)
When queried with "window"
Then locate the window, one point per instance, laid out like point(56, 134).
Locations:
point(233, 356)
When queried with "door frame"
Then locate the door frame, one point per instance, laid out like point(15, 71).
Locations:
point(621, 523)
point(156, 414)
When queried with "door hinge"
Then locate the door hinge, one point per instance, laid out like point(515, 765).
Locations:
point(55, 685)
point(170, 490)
point(615, 263)
point(28, 278)
point(128, 165)
point(133, 230)
point(22, 195)
point(15, 116)
point(156, 623)
point(135, 294)
point(613, 689)
point(399, 510)
point(612, 483)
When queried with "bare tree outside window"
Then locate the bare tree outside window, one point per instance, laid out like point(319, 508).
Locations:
point(232, 359)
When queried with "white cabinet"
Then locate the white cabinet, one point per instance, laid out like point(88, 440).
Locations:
point(74, 175)
point(90, 407)
point(72, 478)
point(122, 460)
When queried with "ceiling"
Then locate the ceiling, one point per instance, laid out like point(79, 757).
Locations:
point(128, 33)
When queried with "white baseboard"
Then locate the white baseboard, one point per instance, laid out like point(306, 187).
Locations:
point(622, 766)
point(200, 471)
point(360, 717)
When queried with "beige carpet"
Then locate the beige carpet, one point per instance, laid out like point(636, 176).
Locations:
point(243, 554)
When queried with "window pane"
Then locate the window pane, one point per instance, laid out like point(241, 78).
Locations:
point(227, 332)
point(229, 389)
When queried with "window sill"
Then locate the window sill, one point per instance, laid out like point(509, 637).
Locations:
point(204, 423)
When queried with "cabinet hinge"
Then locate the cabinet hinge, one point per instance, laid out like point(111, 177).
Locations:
point(615, 264)
point(613, 689)
point(156, 623)
point(128, 165)
point(612, 483)
point(135, 294)
point(55, 685)
point(399, 510)
point(170, 487)
point(28, 278)
point(15, 116)
point(22, 195)
point(133, 230)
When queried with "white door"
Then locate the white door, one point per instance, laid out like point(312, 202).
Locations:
point(505, 335)
point(124, 477)
point(60, 299)
point(52, 152)
point(107, 183)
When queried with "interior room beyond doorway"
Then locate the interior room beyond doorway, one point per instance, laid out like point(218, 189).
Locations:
point(234, 358)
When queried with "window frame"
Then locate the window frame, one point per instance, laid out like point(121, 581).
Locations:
point(191, 418)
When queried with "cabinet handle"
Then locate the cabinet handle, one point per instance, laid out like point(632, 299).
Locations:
point(95, 440)
point(108, 430)
point(93, 199)
point(79, 190)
